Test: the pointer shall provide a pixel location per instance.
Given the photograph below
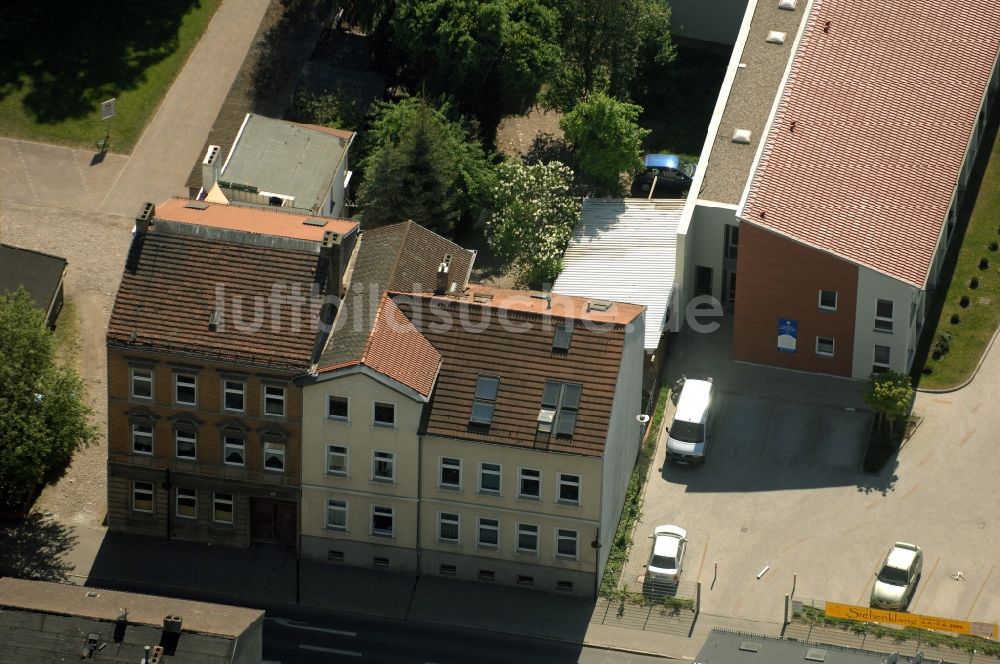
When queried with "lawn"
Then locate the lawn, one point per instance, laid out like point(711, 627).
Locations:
point(978, 308)
point(63, 58)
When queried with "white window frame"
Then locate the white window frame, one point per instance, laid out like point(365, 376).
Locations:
point(441, 469)
point(177, 503)
point(188, 434)
point(520, 483)
point(876, 365)
point(384, 510)
point(883, 324)
point(226, 445)
point(226, 391)
point(194, 378)
point(152, 496)
point(833, 346)
point(151, 435)
point(819, 300)
point(268, 447)
point(479, 532)
point(384, 425)
point(517, 538)
point(347, 402)
point(217, 500)
point(345, 455)
point(577, 481)
point(134, 375)
point(560, 536)
point(457, 522)
point(339, 506)
point(499, 476)
point(281, 399)
point(390, 458)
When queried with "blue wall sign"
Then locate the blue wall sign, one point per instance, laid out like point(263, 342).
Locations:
point(788, 332)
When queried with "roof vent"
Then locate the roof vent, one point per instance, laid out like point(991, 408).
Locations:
point(816, 655)
point(749, 646)
point(196, 205)
point(330, 239)
point(482, 298)
point(741, 136)
point(788, 5)
point(313, 221)
point(775, 37)
point(213, 322)
point(598, 305)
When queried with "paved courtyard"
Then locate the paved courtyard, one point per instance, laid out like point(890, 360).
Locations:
point(781, 491)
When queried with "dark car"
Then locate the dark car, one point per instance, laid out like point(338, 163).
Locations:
point(666, 176)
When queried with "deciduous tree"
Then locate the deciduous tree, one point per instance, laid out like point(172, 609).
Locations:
point(607, 139)
point(889, 395)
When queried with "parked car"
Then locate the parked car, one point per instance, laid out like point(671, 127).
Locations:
point(688, 432)
point(672, 177)
point(898, 576)
point(667, 558)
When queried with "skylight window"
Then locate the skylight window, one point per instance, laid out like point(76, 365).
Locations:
point(560, 342)
point(560, 403)
point(485, 400)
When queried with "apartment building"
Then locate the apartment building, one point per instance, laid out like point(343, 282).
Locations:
point(217, 312)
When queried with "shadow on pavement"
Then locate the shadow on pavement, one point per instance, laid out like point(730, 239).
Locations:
point(34, 548)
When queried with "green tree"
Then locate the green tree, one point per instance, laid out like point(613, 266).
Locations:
point(492, 56)
point(606, 45)
point(607, 139)
point(420, 165)
point(43, 418)
point(889, 395)
point(533, 217)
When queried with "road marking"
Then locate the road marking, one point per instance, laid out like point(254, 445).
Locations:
point(294, 624)
point(980, 592)
point(923, 581)
point(787, 547)
point(966, 437)
point(912, 490)
point(332, 651)
point(870, 577)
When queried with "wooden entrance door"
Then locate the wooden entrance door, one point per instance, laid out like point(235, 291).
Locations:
point(273, 521)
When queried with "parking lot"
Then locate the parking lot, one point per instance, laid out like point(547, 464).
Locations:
point(780, 491)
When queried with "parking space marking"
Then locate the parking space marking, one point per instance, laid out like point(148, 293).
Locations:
point(704, 554)
point(924, 580)
point(914, 488)
point(980, 591)
point(866, 592)
point(966, 437)
point(794, 544)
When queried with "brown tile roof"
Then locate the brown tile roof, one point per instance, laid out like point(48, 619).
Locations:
point(555, 304)
point(251, 220)
point(171, 284)
point(516, 346)
point(884, 104)
point(396, 349)
point(400, 257)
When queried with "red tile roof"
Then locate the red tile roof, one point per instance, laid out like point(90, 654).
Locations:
point(554, 304)
point(396, 349)
point(251, 220)
point(884, 102)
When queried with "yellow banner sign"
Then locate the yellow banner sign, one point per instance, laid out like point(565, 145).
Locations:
point(851, 612)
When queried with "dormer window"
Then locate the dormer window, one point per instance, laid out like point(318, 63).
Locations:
point(560, 342)
point(560, 403)
point(485, 400)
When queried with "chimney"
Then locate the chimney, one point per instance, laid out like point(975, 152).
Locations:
point(441, 285)
point(144, 219)
point(210, 168)
point(330, 254)
point(172, 624)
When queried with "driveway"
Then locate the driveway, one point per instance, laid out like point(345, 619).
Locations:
point(780, 493)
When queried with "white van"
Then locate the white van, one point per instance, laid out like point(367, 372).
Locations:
point(689, 430)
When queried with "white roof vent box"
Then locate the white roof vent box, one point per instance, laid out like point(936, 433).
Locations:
point(788, 5)
point(741, 136)
point(775, 37)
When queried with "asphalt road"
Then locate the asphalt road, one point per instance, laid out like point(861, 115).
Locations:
point(307, 639)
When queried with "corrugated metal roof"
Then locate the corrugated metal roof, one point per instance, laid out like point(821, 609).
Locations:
point(625, 250)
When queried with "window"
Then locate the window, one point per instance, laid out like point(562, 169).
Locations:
point(336, 460)
point(384, 414)
point(527, 538)
point(274, 400)
point(828, 300)
point(382, 521)
point(732, 241)
point(222, 508)
point(448, 527)
point(562, 337)
point(233, 448)
point(274, 456)
point(336, 514)
point(142, 438)
point(335, 556)
point(187, 503)
point(523, 580)
point(233, 393)
point(485, 400)
point(564, 586)
point(383, 466)
point(824, 346)
point(883, 316)
point(185, 390)
point(881, 361)
point(338, 408)
point(560, 402)
point(142, 384)
point(447, 570)
point(566, 543)
point(451, 473)
point(186, 443)
point(569, 489)
point(489, 478)
point(142, 497)
point(489, 533)
point(487, 575)
point(379, 561)
point(529, 483)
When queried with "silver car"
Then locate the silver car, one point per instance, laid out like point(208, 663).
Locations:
point(667, 558)
point(897, 577)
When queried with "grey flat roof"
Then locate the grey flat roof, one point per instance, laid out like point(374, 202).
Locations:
point(722, 647)
point(286, 158)
point(750, 100)
point(39, 273)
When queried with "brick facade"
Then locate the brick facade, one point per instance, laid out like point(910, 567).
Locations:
point(780, 278)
